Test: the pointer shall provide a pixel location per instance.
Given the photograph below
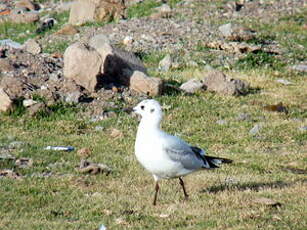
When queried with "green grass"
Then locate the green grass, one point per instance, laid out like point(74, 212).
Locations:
point(142, 9)
point(20, 32)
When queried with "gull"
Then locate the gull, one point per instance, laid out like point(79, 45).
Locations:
point(163, 155)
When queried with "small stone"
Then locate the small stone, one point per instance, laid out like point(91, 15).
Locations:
point(15, 144)
point(84, 152)
point(243, 117)
point(284, 82)
point(300, 68)
point(9, 173)
point(128, 40)
point(93, 168)
point(27, 4)
point(267, 202)
point(303, 128)
point(166, 63)
point(99, 128)
point(5, 65)
point(115, 133)
point(221, 122)
point(73, 97)
point(36, 108)
point(192, 86)
point(217, 81)
point(32, 47)
point(23, 16)
point(67, 29)
point(24, 162)
point(255, 129)
point(143, 84)
point(28, 102)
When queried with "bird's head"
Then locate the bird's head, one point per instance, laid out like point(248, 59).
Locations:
point(149, 109)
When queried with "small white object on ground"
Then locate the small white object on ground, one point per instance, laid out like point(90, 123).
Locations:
point(60, 148)
point(102, 227)
point(284, 81)
point(164, 155)
point(10, 43)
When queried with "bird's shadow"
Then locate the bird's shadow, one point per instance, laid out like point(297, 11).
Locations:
point(254, 186)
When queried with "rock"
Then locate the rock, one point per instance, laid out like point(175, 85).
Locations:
point(67, 29)
point(5, 65)
point(192, 86)
point(218, 82)
point(32, 47)
point(276, 108)
point(9, 173)
point(16, 144)
point(243, 117)
point(267, 202)
point(255, 129)
point(36, 108)
point(28, 102)
point(235, 32)
point(82, 64)
point(73, 97)
point(221, 122)
point(6, 156)
point(22, 16)
point(234, 47)
point(128, 40)
point(99, 128)
point(10, 43)
point(300, 68)
point(163, 11)
point(93, 168)
point(83, 11)
point(303, 128)
point(118, 65)
point(84, 152)
point(143, 84)
point(166, 63)
point(14, 87)
point(284, 81)
point(115, 133)
point(5, 102)
point(27, 4)
point(24, 162)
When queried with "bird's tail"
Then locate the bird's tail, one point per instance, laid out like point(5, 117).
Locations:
point(214, 162)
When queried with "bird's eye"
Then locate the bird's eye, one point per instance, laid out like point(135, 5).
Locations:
point(142, 107)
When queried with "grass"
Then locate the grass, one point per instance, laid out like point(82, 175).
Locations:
point(144, 8)
point(270, 164)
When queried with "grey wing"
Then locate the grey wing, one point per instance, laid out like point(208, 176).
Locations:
point(188, 159)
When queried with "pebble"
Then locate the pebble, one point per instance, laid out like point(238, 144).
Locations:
point(255, 129)
point(221, 122)
point(284, 82)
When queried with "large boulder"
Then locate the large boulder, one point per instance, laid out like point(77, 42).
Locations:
point(23, 16)
point(83, 11)
point(82, 63)
point(218, 82)
point(118, 65)
point(5, 101)
point(27, 4)
point(143, 84)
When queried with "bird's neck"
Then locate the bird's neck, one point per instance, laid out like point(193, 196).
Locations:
point(149, 125)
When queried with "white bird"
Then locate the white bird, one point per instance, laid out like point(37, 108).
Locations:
point(163, 155)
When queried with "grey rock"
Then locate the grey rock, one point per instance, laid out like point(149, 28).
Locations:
point(255, 129)
point(217, 81)
point(16, 144)
point(284, 82)
point(300, 68)
point(243, 117)
point(117, 64)
point(143, 84)
point(303, 128)
point(28, 102)
point(236, 32)
point(221, 122)
point(6, 156)
point(73, 97)
point(192, 86)
point(82, 64)
point(99, 128)
point(166, 63)
point(10, 43)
